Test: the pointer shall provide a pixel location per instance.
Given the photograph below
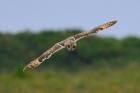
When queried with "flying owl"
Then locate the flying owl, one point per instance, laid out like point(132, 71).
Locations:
point(69, 43)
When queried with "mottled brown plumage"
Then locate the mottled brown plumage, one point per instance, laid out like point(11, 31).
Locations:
point(69, 43)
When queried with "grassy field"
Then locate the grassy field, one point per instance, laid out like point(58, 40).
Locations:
point(87, 80)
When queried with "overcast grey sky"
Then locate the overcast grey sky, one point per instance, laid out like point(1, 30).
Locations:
point(17, 15)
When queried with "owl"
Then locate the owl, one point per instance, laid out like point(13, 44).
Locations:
point(69, 43)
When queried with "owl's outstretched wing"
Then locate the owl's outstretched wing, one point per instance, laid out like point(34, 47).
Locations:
point(94, 30)
point(46, 55)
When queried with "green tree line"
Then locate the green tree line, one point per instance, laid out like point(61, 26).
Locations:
point(18, 49)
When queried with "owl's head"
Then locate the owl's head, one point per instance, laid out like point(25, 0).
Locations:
point(71, 45)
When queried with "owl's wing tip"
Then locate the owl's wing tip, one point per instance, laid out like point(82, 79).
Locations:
point(33, 64)
point(27, 68)
point(24, 69)
point(107, 25)
point(114, 22)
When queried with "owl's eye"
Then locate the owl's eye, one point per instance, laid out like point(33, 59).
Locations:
point(74, 47)
point(68, 46)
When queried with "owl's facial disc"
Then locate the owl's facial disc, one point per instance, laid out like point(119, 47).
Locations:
point(71, 47)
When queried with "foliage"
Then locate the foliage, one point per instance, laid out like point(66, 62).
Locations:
point(20, 48)
point(88, 80)
point(99, 65)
